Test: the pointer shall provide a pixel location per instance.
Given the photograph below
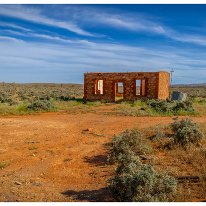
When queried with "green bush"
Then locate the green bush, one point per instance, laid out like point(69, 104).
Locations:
point(172, 107)
point(40, 105)
point(186, 132)
point(161, 106)
point(64, 98)
point(129, 140)
point(186, 105)
point(128, 163)
point(143, 185)
point(134, 181)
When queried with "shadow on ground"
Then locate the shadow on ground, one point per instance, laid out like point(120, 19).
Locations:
point(101, 195)
point(98, 160)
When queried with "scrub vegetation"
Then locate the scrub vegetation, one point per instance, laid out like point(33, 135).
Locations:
point(142, 175)
point(29, 98)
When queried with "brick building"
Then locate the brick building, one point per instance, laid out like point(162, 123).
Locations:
point(127, 85)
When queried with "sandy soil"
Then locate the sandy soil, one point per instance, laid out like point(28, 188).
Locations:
point(60, 156)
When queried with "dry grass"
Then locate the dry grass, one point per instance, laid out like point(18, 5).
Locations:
point(76, 106)
point(200, 105)
point(181, 162)
point(137, 108)
point(68, 97)
point(192, 91)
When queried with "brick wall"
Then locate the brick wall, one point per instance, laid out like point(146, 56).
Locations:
point(154, 85)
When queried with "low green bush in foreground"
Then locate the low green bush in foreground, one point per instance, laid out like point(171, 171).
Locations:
point(143, 185)
point(134, 181)
point(128, 141)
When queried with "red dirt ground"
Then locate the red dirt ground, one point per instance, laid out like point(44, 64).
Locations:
point(61, 156)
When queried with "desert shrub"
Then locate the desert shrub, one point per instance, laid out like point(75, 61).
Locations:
point(201, 100)
point(173, 107)
point(134, 181)
point(127, 163)
point(185, 105)
point(154, 107)
point(143, 184)
point(40, 105)
point(186, 132)
point(5, 98)
point(129, 140)
point(10, 101)
point(64, 98)
point(44, 97)
point(2, 97)
point(161, 106)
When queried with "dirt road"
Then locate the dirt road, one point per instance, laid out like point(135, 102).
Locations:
point(60, 156)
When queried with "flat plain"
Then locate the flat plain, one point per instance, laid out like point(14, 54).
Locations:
point(61, 154)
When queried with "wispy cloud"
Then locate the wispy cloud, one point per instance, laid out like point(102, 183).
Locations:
point(79, 15)
point(132, 21)
point(59, 57)
point(72, 60)
point(34, 15)
point(14, 26)
point(14, 32)
point(194, 39)
point(143, 24)
point(7, 38)
point(114, 18)
point(133, 24)
point(61, 39)
point(41, 36)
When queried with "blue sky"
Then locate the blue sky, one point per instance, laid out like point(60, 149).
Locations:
point(58, 43)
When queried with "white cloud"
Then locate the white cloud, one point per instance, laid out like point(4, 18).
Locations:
point(60, 39)
point(195, 39)
point(67, 63)
point(34, 15)
point(14, 26)
point(61, 59)
point(93, 16)
point(135, 22)
point(52, 37)
point(112, 18)
point(9, 32)
point(7, 38)
point(152, 27)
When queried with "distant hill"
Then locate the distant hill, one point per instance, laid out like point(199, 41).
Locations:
point(189, 85)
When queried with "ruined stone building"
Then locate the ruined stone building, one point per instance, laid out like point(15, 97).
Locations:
point(126, 85)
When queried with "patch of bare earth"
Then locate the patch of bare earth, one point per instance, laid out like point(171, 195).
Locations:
point(60, 156)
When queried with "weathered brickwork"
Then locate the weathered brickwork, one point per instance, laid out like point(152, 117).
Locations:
point(103, 86)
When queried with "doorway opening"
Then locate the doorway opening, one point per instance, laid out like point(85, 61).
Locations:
point(119, 91)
